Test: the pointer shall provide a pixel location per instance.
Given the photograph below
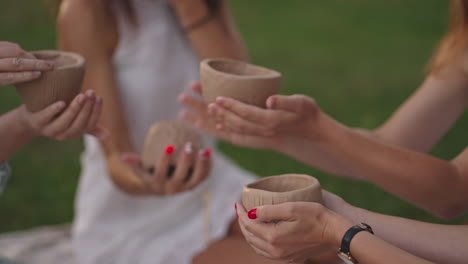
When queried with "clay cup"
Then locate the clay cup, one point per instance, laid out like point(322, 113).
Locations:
point(242, 81)
point(163, 133)
point(281, 189)
point(63, 83)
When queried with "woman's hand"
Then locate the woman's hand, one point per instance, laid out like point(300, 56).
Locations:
point(192, 169)
point(18, 66)
point(293, 232)
point(295, 115)
point(197, 114)
point(58, 122)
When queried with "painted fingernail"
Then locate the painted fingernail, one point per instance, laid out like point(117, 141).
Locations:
point(169, 149)
point(188, 148)
point(207, 153)
point(252, 213)
point(81, 99)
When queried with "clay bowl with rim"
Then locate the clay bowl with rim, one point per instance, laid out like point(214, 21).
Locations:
point(242, 81)
point(173, 132)
point(62, 83)
point(281, 189)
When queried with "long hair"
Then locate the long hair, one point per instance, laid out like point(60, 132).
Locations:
point(452, 46)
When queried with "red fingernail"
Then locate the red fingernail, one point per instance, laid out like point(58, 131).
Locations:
point(252, 213)
point(169, 149)
point(207, 153)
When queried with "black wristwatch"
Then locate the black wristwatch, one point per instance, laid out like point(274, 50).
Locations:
point(344, 252)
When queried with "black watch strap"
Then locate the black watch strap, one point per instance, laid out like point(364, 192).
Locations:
point(348, 236)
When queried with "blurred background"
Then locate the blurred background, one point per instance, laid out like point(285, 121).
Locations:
point(358, 58)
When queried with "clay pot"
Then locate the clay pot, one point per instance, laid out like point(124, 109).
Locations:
point(63, 83)
point(163, 133)
point(281, 189)
point(245, 82)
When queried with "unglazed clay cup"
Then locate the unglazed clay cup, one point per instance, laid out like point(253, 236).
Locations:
point(281, 189)
point(163, 133)
point(62, 83)
point(242, 81)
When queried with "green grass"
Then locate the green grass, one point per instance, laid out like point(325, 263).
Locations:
point(358, 58)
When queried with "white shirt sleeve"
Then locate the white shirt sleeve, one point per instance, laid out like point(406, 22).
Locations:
point(5, 172)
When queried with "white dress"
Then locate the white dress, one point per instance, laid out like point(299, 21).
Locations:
point(153, 64)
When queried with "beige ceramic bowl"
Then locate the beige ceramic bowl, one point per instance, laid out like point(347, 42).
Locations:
point(281, 189)
point(239, 80)
point(163, 133)
point(63, 83)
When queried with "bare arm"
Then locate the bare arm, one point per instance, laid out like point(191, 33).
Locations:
point(301, 231)
point(218, 37)
point(438, 243)
point(390, 157)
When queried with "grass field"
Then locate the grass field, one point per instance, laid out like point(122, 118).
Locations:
point(358, 58)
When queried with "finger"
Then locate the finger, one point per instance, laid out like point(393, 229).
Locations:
point(254, 226)
point(198, 122)
point(62, 122)
point(182, 172)
point(245, 111)
point(95, 115)
point(268, 118)
point(8, 43)
point(161, 169)
point(131, 158)
point(78, 126)
point(202, 169)
point(17, 64)
point(40, 119)
point(278, 212)
point(292, 103)
point(193, 103)
point(196, 87)
point(7, 78)
point(11, 51)
point(230, 121)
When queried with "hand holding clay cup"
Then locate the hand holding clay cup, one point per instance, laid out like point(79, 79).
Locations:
point(281, 189)
point(18, 66)
point(62, 83)
point(239, 80)
point(170, 157)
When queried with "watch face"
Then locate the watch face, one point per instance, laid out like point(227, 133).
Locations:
point(345, 259)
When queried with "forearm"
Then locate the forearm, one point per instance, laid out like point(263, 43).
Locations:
point(14, 133)
point(438, 243)
point(394, 169)
point(365, 247)
point(100, 77)
point(368, 249)
point(217, 37)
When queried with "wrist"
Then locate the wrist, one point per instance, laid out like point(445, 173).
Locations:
point(335, 229)
point(23, 127)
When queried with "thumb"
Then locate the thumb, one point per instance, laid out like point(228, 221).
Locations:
point(131, 159)
point(292, 103)
point(279, 212)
